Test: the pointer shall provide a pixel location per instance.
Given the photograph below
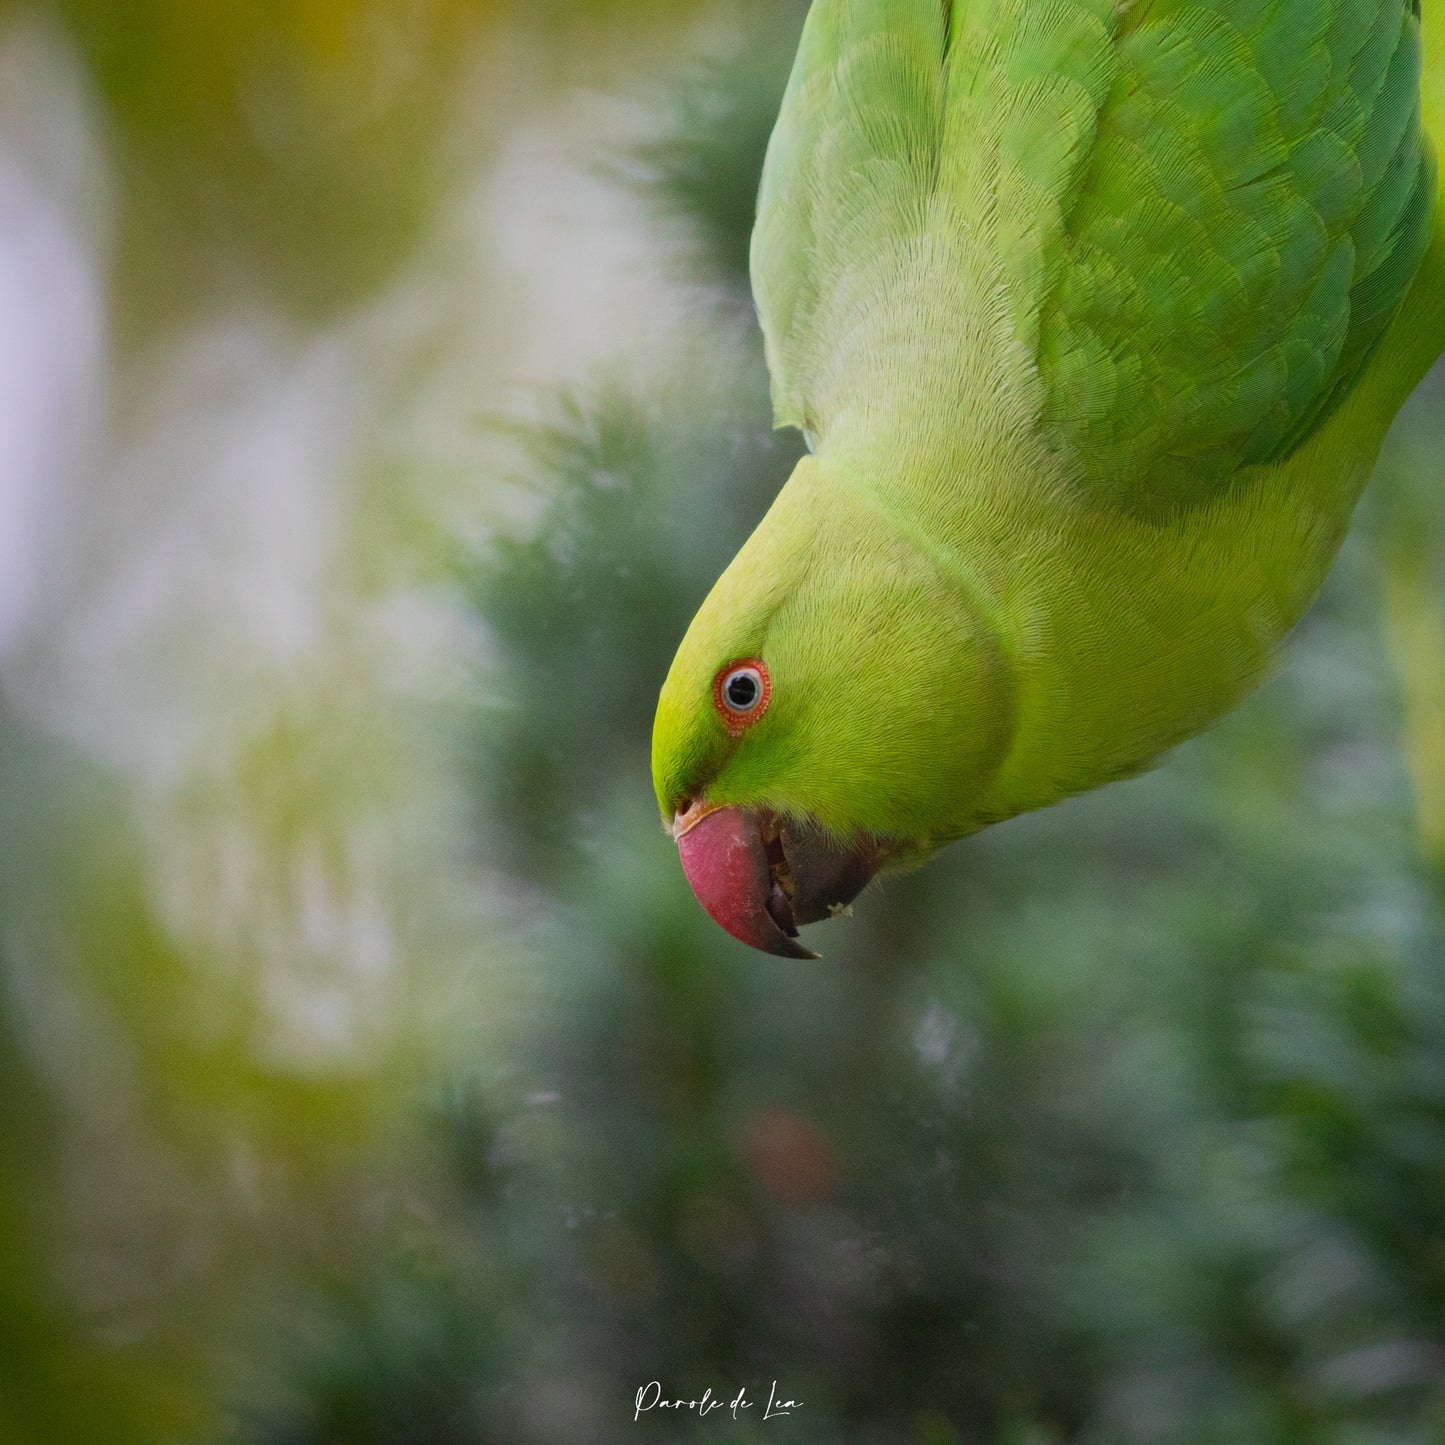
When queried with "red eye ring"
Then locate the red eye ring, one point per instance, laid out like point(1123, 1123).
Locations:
point(741, 691)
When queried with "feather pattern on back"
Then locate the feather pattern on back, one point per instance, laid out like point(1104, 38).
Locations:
point(1165, 235)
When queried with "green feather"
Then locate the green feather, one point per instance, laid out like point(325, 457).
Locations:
point(1095, 316)
point(1194, 219)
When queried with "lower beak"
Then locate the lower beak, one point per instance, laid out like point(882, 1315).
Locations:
point(761, 878)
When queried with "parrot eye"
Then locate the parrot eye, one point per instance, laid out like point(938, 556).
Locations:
point(742, 690)
point(740, 693)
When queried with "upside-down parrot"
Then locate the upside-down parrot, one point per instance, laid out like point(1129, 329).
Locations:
point(1093, 314)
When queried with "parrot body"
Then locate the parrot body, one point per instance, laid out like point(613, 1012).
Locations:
point(1094, 317)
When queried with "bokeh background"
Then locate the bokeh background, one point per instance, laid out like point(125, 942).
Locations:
point(379, 395)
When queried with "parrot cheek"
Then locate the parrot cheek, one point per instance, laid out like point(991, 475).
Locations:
point(760, 881)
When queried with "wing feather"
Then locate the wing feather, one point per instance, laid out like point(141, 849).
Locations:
point(1172, 232)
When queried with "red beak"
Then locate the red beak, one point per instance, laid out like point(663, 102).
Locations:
point(761, 877)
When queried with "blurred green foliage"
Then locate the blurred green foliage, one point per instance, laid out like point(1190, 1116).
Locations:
point(1121, 1123)
point(300, 151)
point(292, 141)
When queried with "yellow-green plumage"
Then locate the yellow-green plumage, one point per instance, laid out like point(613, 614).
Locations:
point(1094, 316)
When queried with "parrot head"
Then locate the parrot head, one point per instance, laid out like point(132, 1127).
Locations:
point(836, 708)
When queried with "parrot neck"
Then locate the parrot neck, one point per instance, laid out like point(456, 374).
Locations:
point(1125, 633)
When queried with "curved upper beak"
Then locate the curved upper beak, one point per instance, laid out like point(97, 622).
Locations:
point(762, 878)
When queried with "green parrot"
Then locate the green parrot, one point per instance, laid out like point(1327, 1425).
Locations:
point(1094, 314)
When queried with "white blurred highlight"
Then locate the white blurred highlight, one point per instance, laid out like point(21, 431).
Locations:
point(52, 327)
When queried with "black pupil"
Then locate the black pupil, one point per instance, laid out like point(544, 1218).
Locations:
point(742, 690)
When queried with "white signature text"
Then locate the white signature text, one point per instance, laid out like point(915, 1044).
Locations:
point(650, 1397)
